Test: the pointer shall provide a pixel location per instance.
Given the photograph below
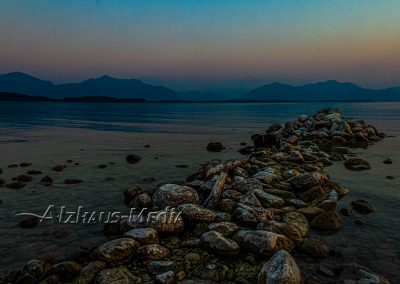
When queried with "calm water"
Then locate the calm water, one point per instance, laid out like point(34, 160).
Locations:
point(47, 134)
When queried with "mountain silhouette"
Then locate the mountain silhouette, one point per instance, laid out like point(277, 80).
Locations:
point(105, 86)
point(328, 90)
point(133, 90)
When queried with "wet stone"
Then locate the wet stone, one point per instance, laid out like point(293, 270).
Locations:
point(280, 269)
point(16, 185)
point(133, 159)
point(173, 195)
point(59, 168)
point(363, 207)
point(217, 243)
point(153, 252)
point(143, 235)
point(119, 275)
point(116, 250)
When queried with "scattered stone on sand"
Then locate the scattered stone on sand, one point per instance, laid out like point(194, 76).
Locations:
point(281, 268)
point(357, 164)
point(362, 206)
point(72, 181)
point(46, 180)
point(173, 195)
point(29, 222)
point(390, 177)
point(2, 182)
point(16, 185)
point(102, 166)
point(24, 178)
point(25, 164)
point(133, 159)
point(1, 171)
point(388, 161)
point(59, 168)
point(13, 166)
point(215, 147)
point(34, 172)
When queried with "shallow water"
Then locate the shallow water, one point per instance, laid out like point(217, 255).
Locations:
point(48, 134)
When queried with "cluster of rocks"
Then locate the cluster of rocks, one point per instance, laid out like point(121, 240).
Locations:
point(243, 221)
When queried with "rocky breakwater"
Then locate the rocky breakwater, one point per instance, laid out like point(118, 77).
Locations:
point(241, 221)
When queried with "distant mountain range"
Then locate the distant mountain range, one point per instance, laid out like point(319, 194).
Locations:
point(328, 90)
point(13, 86)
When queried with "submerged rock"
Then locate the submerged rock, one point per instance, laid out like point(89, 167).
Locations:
point(59, 168)
point(16, 185)
point(215, 147)
point(363, 206)
point(327, 221)
point(357, 164)
point(72, 181)
point(355, 273)
point(280, 269)
point(133, 159)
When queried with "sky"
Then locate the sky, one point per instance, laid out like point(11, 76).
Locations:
point(206, 45)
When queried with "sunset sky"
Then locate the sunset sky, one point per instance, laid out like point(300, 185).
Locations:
point(204, 44)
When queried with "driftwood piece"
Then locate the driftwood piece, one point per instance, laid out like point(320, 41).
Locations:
point(214, 169)
point(213, 199)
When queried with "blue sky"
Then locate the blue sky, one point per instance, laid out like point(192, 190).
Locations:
point(204, 44)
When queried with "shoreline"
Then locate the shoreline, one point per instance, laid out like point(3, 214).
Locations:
point(261, 197)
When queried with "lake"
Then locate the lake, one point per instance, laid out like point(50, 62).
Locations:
point(48, 134)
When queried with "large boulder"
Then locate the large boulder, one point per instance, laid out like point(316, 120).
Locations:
point(357, 164)
point(262, 242)
point(280, 269)
point(173, 195)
